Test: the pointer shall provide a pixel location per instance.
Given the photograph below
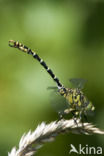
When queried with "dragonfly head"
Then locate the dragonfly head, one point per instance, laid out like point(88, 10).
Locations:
point(90, 108)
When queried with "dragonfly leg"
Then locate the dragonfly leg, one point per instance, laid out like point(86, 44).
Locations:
point(74, 118)
point(60, 115)
point(82, 118)
point(67, 111)
point(86, 119)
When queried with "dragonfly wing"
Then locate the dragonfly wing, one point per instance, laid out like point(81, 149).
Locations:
point(58, 102)
point(52, 88)
point(78, 82)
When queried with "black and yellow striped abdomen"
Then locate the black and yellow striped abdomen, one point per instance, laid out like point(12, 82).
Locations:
point(27, 50)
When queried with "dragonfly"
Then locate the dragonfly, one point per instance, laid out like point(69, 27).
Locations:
point(60, 104)
point(77, 103)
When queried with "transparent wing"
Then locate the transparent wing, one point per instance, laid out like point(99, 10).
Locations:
point(78, 82)
point(58, 102)
point(52, 87)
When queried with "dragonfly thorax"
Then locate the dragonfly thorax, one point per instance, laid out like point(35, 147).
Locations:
point(77, 101)
point(74, 97)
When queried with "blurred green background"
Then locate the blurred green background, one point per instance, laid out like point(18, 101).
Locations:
point(69, 36)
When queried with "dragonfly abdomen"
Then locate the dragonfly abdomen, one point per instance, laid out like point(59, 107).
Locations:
point(27, 50)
